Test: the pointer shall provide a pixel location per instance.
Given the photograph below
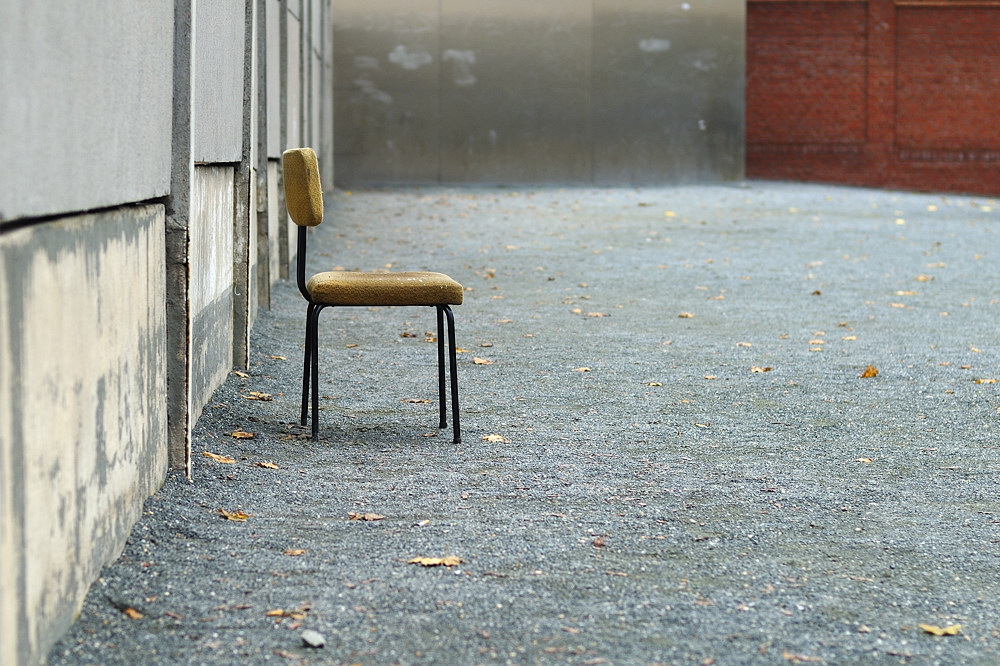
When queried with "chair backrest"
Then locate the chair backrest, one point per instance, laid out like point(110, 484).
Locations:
point(303, 191)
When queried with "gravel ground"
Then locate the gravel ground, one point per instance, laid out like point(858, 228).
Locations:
point(669, 456)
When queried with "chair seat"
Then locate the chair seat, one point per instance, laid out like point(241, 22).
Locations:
point(374, 289)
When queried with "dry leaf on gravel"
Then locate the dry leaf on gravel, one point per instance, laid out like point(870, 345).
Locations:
point(758, 368)
point(241, 374)
point(133, 613)
point(496, 439)
point(238, 516)
point(986, 381)
point(870, 371)
point(953, 630)
point(415, 401)
point(256, 395)
point(242, 434)
point(450, 561)
point(481, 361)
point(582, 369)
point(294, 552)
point(266, 465)
point(219, 459)
point(369, 517)
point(800, 657)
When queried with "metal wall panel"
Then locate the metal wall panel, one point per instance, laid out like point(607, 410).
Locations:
point(567, 91)
point(668, 91)
point(515, 93)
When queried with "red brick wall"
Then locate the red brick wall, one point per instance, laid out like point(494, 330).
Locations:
point(886, 93)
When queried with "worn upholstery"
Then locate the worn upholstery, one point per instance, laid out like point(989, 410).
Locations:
point(303, 191)
point(373, 289)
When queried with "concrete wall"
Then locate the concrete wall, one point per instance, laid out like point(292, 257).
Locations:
point(563, 91)
point(82, 412)
point(141, 224)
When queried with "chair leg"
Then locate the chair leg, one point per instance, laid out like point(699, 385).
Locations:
point(442, 407)
point(456, 427)
point(315, 371)
point(306, 365)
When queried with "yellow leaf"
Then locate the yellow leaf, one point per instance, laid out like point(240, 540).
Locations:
point(598, 314)
point(481, 361)
point(654, 384)
point(294, 552)
point(217, 458)
point(744, 344)
point(583, 369)
point(415, 401)
point(870, 371)
point(986, 381)
point(133, 613)
point(669, 213)
point(952, 630)
point(242, 434)
point(238, 516)
point(496, 439)
point(685, 315)
point(277, 612)
point(266, 465)
point(710, 377)
point(863, 460)
point(279, 358)
point(254, 395)
point(450, 561)
point(369, 517)
point(924, 278)
point(241, 374)
point(757, 368)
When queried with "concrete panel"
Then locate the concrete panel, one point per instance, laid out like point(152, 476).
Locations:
point(273, 19)
point(82, 410)
point(218, 80)
point(293, 74)
point(273, 222)
point(85, 97)
point(211, 286)
point(668, 91)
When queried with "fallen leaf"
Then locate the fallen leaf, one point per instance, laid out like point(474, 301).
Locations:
point(953, 630)
point(266, 465)
point(757, 368)
point(870, 371)
point(254, 395)
point(285, 654)
point(496, 439)
point(369, 517)
point(242, 434)
point(241, 374)
point(703, 425)
point(654, 384)
point(986, 381)
point(450, 561)
point(744, 344)
point(710, 377)
point(598, 314)
point(582, 369)
point(685, 315)
point(599, 542)
point(133, 613)
point(294, 552)
point(238, 516)
point(800, 657)
point(863, 460)
point(217, 458)
point(279, 358)
point(481, 361)
point(415, 401)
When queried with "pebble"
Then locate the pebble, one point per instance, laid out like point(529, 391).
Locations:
point(313, 639)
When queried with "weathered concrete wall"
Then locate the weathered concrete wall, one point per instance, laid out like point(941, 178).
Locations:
point(136, 142)
point(84, 85)
point(82, 416)
point(211, 286)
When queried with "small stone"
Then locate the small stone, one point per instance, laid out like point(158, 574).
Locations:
point(313, 639)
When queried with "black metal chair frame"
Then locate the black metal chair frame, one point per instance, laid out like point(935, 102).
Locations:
point(310, 369)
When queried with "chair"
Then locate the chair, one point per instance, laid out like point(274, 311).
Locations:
point(304, 200)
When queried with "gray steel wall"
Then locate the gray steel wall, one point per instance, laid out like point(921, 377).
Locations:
point(567, 91)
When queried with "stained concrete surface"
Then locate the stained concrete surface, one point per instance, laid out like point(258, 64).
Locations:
point(669, 453)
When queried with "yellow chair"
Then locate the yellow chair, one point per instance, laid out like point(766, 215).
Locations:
point(304, 199)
